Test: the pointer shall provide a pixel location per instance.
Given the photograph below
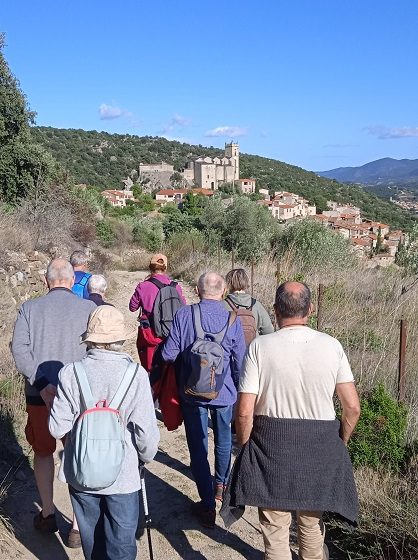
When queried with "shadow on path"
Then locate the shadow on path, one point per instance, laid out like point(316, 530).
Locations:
point(171, 515)
point(22, 500)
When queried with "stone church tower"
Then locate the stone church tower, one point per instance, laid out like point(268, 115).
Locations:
point(232, 152)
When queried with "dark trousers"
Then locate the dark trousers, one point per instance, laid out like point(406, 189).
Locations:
point(107, 524)
point(196, 425)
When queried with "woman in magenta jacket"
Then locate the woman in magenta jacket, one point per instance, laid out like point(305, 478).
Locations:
point(143, 300)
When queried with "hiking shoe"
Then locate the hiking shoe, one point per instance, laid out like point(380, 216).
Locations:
point(219, 492)
point(45, 524)
point(206, 517)
point(74, 539)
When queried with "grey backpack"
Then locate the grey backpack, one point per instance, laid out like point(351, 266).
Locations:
point(99, 435)
point(165, 307)
point(205, 360)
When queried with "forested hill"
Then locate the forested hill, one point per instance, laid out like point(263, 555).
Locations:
point(102, 159)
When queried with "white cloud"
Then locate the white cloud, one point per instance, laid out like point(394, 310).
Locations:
point(177, 121)
point(110, 112)
point(386, 133)
point(227, 131)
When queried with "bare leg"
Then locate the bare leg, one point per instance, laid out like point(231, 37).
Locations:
point(44, 469)
point(75, 524)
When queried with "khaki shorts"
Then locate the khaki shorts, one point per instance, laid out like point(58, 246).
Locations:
point(37, 432)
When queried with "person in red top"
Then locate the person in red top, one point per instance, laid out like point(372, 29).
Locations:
point(143, 300)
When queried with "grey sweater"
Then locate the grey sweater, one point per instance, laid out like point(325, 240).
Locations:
point(47, 336)
point(292, 464)
point(262, 319)
point(104, 371)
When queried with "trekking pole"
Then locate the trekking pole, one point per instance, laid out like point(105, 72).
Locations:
point(146, 512)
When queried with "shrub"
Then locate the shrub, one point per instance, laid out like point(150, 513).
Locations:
point(312, 245)
point(380, 436)
point(148, 233)
point(177, 222)
point(105, 233)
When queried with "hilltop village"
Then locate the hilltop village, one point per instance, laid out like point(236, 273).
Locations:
point(204, 176)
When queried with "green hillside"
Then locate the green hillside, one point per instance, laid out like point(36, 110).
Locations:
point(102, 159)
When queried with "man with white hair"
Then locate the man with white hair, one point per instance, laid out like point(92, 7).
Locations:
point(97, 287)
point(215, 322)
point(79, 262)
point(47, 336)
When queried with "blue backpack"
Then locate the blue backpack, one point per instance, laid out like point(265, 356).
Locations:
point(99, 435)
point(78, 288)
point(204, 360)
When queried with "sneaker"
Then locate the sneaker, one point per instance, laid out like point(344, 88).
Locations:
point(219, 492)
point(206, 517)
point(45, 524)
point(74, 539)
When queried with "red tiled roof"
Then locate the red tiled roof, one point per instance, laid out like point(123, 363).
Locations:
point(364, 241)
point(172, 192)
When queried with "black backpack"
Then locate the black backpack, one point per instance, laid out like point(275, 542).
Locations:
point(165, 307)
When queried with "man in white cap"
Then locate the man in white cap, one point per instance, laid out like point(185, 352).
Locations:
point(108, 517)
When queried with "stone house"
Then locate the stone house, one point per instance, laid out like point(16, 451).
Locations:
point(247, 186)
point(118, 198)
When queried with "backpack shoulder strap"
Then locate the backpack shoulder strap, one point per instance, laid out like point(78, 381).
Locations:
point(156, 282)
point(197, 321)
point(253, 302)
point(124, 386)
point(84, 279)
point(83, 385)
point(231, 303)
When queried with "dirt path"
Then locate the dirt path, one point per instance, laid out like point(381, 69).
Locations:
point(170, 490)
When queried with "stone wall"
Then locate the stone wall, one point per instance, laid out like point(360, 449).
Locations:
point(23, 274)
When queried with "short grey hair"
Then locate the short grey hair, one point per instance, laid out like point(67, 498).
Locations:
point(79, 258)
point(112, 346)
point(59, 271)
point(211, 284)
point(97, 284)
point(290, 302)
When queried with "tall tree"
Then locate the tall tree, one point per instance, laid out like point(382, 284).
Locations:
point(23, 165)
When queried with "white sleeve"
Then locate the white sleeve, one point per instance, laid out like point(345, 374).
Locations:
point(249, 381)
point(344, 374)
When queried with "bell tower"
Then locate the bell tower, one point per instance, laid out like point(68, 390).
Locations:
point(232, 151)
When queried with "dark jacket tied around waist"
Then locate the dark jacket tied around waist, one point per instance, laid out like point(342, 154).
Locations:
point(292, 465)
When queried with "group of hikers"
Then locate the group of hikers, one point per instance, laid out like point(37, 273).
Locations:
point(220, 358)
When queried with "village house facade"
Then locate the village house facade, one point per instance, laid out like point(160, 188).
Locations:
point(365, 235)
point(247, 186)
point(286, 206)
point(167, 196)
point(118, 198)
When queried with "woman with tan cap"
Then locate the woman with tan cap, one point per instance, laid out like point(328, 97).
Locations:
point(143, 299)
point(108, 517)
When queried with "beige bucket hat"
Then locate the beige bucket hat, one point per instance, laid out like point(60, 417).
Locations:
point(106, 325)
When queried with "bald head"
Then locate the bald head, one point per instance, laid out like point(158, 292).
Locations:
point(59, 274)
point(293, 300)
point(211, 285)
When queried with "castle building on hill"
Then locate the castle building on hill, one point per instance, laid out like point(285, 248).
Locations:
point(203, 172)
point(210, 173)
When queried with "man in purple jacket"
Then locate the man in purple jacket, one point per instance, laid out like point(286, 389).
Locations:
point(214, 316)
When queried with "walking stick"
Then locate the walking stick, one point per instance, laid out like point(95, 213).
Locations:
point(147, 515)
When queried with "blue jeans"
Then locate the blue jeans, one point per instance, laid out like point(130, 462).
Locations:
point(107, 524)
point(196, 425)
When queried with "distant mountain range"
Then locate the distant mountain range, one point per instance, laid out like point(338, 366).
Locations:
point(385, 171)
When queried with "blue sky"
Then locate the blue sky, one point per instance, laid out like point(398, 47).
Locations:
point(316, 83)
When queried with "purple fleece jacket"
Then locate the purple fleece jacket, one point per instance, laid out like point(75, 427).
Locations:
point(182, 335)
